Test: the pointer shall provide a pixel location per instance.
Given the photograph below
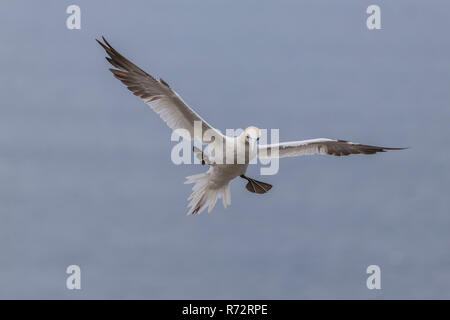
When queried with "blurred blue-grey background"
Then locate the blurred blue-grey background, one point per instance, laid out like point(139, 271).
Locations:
point(86, 176)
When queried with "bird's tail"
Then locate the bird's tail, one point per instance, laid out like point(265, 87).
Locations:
point(205, 194)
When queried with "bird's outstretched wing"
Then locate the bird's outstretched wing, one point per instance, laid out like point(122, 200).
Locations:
point(156, 93)
point(318, 146)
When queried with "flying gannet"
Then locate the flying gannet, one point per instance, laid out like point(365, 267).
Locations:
point(214, 184)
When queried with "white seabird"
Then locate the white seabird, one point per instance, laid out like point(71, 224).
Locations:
point(214, 184)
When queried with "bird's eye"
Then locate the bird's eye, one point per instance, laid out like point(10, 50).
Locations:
point(248, 137)
point(257, 139)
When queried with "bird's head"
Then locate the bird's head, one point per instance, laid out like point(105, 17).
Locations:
point(251, 135)
point(251, 138)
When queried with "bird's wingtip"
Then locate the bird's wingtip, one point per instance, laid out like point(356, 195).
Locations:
point(396, 148)
point(402, 148)
point(104, 43)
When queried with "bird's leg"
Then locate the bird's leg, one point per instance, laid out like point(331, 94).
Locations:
point(196, 150)
point(256, 186)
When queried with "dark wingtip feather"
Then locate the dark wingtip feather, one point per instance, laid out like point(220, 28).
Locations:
point(106, 42)
point(403, 148)
point(101, 44)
